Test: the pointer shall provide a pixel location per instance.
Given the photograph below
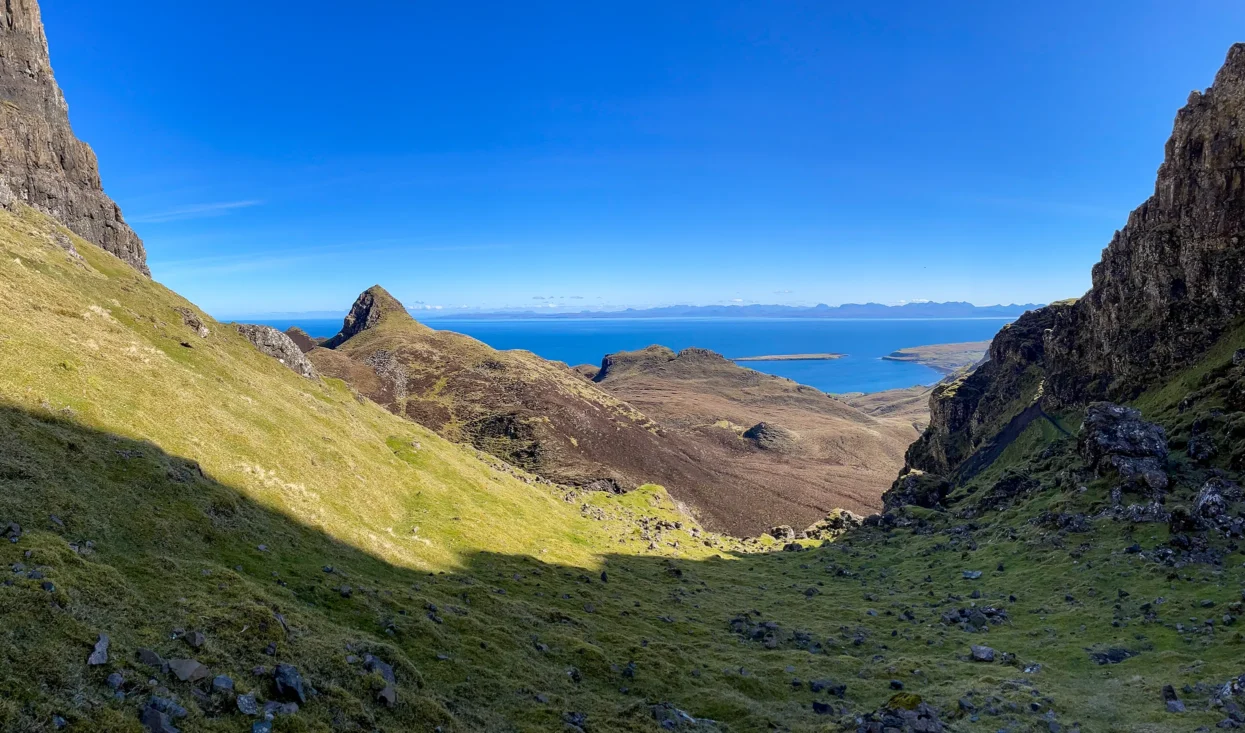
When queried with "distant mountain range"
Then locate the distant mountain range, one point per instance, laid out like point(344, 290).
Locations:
point(848, 310)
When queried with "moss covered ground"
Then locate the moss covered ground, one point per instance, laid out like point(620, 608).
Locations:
point(168, 484)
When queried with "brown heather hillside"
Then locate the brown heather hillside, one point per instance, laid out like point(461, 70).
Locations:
point(679, 424)
point(814, 453)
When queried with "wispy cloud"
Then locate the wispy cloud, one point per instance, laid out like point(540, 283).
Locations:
point(192, 211)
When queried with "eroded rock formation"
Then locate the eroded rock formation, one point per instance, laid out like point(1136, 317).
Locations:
point(279, 346)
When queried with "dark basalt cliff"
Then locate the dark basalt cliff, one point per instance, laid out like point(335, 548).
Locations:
point(968, 412)
point(1170, 282)
point(1168, 285)
point(42, 164)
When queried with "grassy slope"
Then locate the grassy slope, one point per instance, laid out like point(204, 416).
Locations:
point(104, 407)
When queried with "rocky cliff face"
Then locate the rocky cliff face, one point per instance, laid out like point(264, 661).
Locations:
point(1168, 285)
point(42, 164)
point(966, 413)
point(279, 346)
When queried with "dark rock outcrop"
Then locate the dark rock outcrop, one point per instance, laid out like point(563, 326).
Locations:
point(1169, 283)
point(1116, 438)
point(301, 339)
point(369, 308)
point(42, 164)
point(916, 488)
point(277, 345)
point(768, 436)
point(836, 523)
point(1167, 287)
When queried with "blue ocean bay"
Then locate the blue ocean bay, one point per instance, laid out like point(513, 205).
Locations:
point(864, 341)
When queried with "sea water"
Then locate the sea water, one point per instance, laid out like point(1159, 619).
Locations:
point(863, 341)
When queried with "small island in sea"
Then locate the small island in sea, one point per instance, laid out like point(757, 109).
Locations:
point(790, 357)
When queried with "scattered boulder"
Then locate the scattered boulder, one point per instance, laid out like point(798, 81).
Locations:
point(193, 321)
point(1150, 512)
point(903, 713)
point(672, 718)
point(388, 696)
point(607, 485)
point(99, 655)
point(829, 686)
point(158, 713)
point(222, 684)
point(782, 533)
point(1114, 655)
point(195, 639)
point(289, 683)
point(156, 722)
point(151, 659)
point(1201, 447)
point(975, 618)
point(273, 708)
point(389, 693)
point(247, 704)
point(982, 653)
point(188, 670)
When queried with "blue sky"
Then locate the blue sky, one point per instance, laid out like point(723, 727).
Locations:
point(281, 156)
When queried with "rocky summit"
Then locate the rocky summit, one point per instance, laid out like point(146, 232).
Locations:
point(207, 527)
point(42, 164)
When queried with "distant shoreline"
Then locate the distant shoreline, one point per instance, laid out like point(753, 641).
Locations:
point(943, 358)
point(791, 357)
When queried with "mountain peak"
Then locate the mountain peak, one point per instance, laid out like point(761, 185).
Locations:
point(370, 308)
point(42, 164)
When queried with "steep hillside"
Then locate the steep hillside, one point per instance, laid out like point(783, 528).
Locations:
point(162, 474)
point(550, 420)
point(783, 450)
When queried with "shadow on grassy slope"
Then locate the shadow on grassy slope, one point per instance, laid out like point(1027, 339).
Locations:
point(513, 643)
